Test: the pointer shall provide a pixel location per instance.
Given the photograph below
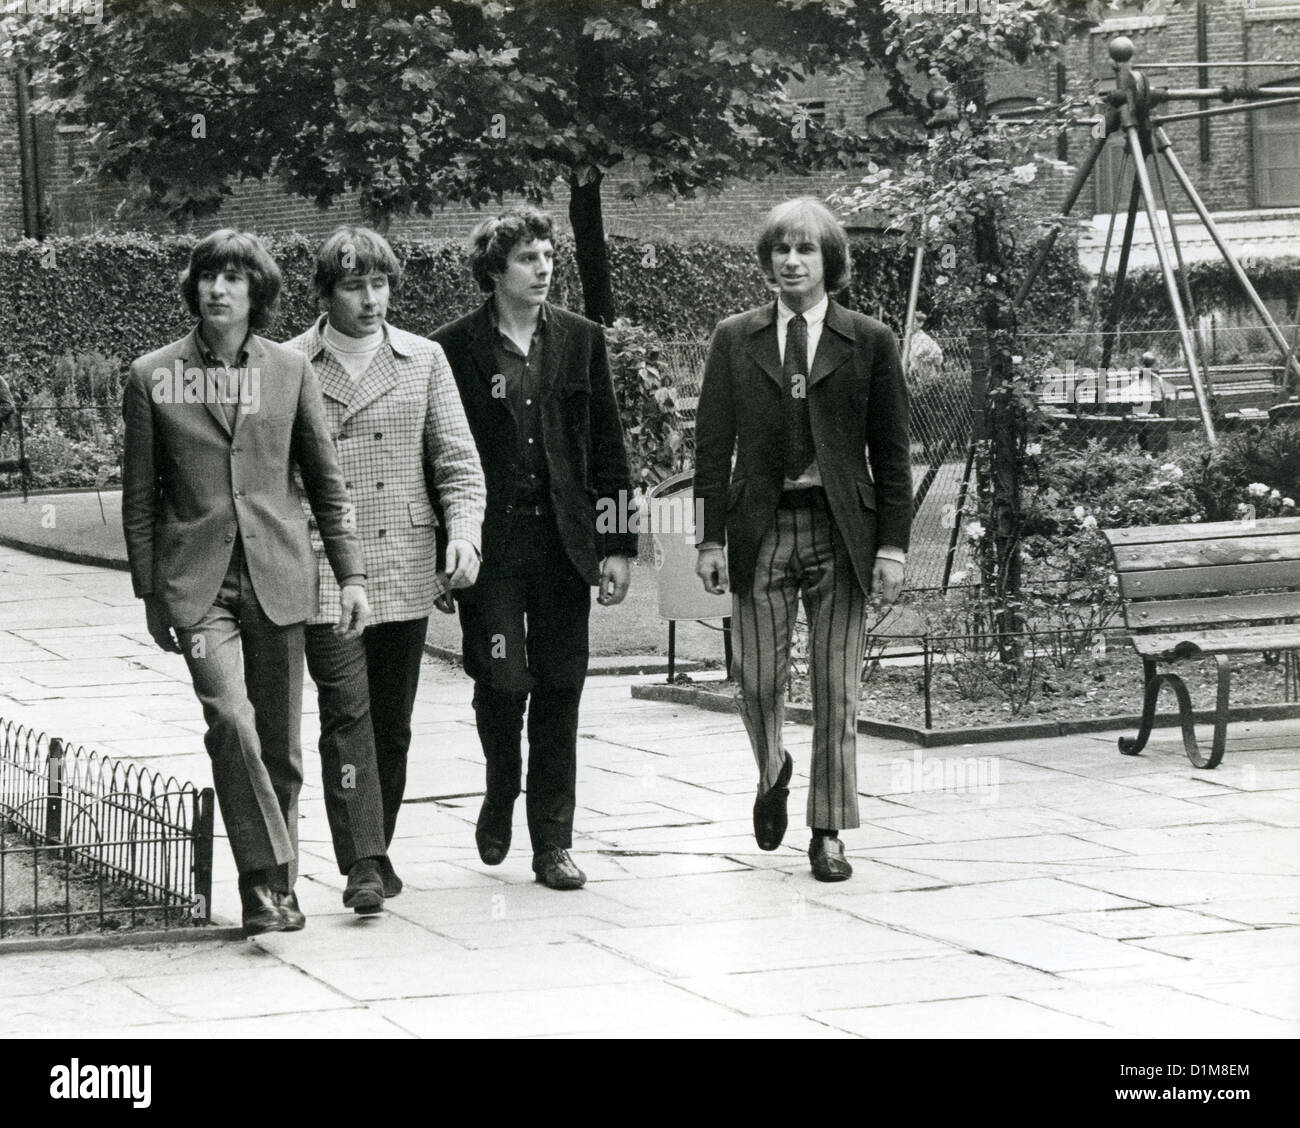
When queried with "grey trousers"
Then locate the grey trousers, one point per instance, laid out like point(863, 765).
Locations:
point(247, 674)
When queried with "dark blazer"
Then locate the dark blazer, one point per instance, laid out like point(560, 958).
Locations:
point(581, 432)
point(857, 400)
point(189, 485)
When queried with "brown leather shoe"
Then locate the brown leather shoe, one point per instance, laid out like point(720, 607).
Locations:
point(492, 833)
point(261, 910)
point(365, 890)
point(295, 920)
point(555, 869)
point(828, 860)
point(769, 810)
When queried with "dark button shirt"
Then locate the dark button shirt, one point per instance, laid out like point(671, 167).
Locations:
point(223, 381)
point(523, 375)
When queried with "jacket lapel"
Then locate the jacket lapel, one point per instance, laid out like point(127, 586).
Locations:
point(835, 346)
point(762, 347)
point(192, 357)
point(480, 348)
point(256, 364)
point(334, 382)
point(552, 352)
point(379, 378)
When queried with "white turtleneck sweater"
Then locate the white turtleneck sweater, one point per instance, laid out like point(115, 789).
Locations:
point(354, 353)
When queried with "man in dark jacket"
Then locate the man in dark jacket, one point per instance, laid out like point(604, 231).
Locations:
point(811, 399)
point(537, 391)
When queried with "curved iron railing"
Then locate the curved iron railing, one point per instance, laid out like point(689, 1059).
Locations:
point(73, 817)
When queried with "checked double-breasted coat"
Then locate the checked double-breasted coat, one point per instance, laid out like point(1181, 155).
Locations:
point(401, 415)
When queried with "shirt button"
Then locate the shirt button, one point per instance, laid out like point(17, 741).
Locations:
point(509, 509)
point(529, 402)
point(530, 442)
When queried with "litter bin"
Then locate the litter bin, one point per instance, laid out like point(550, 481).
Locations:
point(671, 514)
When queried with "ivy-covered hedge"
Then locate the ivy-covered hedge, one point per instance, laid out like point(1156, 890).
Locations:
point(1213, 286)
point(116, 295)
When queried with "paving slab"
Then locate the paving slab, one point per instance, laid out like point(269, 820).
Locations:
point(1048, 888)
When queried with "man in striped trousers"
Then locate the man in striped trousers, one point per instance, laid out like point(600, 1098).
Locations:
point(811, 399)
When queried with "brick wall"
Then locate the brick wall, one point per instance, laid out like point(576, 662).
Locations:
point(11, 188)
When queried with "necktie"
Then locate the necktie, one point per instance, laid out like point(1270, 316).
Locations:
point(799, 450)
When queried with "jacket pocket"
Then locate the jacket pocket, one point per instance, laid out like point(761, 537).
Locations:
point(421, 514)
point(867, 492)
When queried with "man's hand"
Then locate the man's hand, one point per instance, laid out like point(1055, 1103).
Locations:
point(446, 603)
point(354, 611)
point(462, 564)
point(711, 567)
point(886, 580)
point(615, 576)
point(159, 628)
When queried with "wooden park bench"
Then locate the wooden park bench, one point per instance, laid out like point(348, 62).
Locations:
point(1211, 590)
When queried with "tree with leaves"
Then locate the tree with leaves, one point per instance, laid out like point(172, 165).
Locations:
point(416, 106)
point(961, 194)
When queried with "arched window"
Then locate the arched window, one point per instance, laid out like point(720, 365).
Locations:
point(1277, 151)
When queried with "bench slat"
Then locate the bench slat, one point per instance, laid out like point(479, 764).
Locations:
point(1204, 553)
point(1212, 609)
point(1201, 581)
point(1161, 534)
point(1239, 640)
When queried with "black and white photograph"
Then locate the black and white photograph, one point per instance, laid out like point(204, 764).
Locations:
point(652, 520)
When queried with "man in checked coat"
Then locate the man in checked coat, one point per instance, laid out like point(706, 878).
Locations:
point(396, 419)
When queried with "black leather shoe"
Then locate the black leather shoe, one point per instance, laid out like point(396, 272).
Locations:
point(492, 833)
point(828, 860)
point(769, 810)
point(555, 868)
point(294, 918)
point(261, 910)
point(392, 883)
point(365, 890)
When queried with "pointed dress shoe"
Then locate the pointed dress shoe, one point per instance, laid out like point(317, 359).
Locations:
point(392, 883)
point(828, 860)
point(365, 889)
point(295, 920)
point(769, 810)
point(492, 833)
point(261, 911)
point(554, 868)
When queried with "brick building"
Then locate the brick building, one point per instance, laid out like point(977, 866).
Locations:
point(1247, 166)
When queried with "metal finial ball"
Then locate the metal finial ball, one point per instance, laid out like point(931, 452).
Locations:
point(1121, 49)
point(936, 98)
point(1148, 360)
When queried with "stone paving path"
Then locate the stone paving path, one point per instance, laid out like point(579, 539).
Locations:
point(1024, 889)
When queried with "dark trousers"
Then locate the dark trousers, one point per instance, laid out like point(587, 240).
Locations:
point(366, 689)
point(247, 674)
point(524, 626)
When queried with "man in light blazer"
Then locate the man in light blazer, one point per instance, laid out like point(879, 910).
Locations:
point(538, 394)
point(811, 399)
point(394, 413)
point(216, 424)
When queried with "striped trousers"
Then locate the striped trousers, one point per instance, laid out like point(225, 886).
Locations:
point(802, 555)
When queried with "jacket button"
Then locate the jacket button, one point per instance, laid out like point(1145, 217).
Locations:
point(230, 538)
point(510, 508)
point(347, 485)
point(379, 434)
point(379, 485)
point(382, 532)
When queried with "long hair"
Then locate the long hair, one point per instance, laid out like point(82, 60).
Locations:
point(491, 242)
point(808, 218)
point(243, 250)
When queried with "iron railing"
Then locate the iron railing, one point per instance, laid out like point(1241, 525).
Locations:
point(135, 847)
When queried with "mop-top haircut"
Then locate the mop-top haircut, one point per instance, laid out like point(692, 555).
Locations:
point(226, 248)
point(810, 219)
point(354, 250)
point(491, 242)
